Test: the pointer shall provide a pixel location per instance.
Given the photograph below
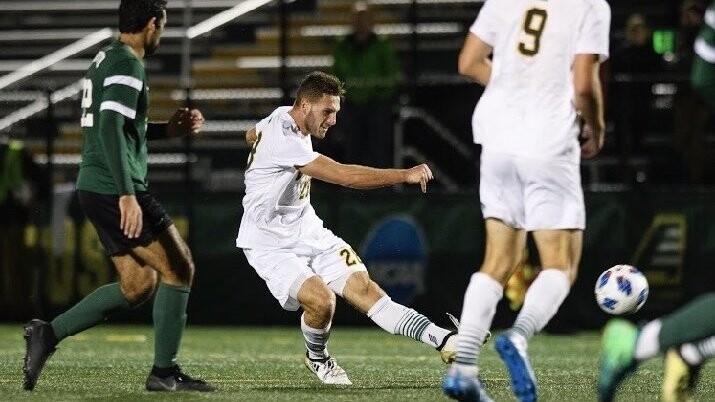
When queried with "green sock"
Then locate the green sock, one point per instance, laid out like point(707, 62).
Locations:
point(90, 311)
point(689, 323)
point(169, 321)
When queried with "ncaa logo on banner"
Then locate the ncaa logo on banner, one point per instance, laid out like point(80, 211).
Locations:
point(395, 253)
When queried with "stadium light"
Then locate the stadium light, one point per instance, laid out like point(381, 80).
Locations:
point(224, 17)
point(52, 58)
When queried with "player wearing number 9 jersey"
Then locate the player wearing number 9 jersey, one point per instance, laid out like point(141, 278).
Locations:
point(303, 263)
point(539, 61)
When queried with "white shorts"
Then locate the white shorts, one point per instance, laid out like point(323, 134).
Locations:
point(285, 270)
point(531, 194)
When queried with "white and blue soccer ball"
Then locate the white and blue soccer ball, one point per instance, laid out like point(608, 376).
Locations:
point(621, 289)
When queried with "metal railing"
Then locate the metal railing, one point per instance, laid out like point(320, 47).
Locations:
point(92, 39)
point(402, 151)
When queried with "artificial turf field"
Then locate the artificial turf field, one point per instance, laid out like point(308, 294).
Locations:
point(265, 364)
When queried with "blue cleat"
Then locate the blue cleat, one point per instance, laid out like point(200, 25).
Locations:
point(513, 354)
point(463, 388)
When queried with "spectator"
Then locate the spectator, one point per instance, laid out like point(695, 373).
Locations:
point(368, 65)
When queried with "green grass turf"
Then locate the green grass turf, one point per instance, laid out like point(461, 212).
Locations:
point(265, 364)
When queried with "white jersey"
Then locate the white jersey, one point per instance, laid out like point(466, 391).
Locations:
point(527, 107)
point(276, 207)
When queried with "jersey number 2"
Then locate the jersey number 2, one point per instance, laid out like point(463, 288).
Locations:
point(87, 119)
point(534, 23)
point(350, 256)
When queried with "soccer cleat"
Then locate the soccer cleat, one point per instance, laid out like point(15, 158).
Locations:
point(448, 349)
point(617, 358)
point(679, 378)
point(512, 350)
point(463, 388)
point(176, 381)
point(40, 343)
point(328, 371)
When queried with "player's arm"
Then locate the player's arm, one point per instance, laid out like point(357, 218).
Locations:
point(119, 101)
point(114, 148)
point(184, 122)
point(251, 136)
point(364, 177)
point(589, 102)
point(474, 61)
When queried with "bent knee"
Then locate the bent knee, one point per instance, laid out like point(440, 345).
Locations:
point(361, 286)
point(322, 304)
point(139, 290)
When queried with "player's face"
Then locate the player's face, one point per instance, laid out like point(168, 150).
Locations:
point(322, 115)
point(153, 37)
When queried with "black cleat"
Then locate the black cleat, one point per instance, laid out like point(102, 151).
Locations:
point(40, 343)
point(176, 381)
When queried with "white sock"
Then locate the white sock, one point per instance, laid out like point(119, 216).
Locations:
point(690, 354)
point(706, 348)
point(316, 340)
point(480, 304)
point(647, 344)
point(542, 301)
point(400, 320)
point(697, 352)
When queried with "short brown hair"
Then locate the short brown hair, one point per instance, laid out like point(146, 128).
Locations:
point(316, 84)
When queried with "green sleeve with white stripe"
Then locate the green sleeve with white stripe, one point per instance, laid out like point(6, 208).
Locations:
point(118, 103)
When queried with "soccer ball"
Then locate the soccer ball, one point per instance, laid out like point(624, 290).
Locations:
point(621, 289)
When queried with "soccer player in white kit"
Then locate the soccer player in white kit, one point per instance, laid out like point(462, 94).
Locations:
point(304, 264)
point(542, 75)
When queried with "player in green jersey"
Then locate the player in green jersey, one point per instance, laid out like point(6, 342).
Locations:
point(138, 235)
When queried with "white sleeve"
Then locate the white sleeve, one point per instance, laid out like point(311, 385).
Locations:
point(487, 23)
point(594, 32)
point(261, 125)
point(292, 149)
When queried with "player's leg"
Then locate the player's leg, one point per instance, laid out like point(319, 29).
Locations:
point(697, 316)
point(169, 255)
point(686, 350)
point(625, 345)
point(366, 296)
point(483, 293)
point(135, 286)
point(501, 196)
point(560, 253)
point(318, 303)
point(341, 268)
point(295, 285)
point(555, 214)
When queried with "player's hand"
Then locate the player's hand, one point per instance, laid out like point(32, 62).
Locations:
point(592, 141)
point(131, 216)
point(419, 174)
point(185, 122)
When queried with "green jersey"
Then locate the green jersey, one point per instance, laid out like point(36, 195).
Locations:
point(115, 98)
